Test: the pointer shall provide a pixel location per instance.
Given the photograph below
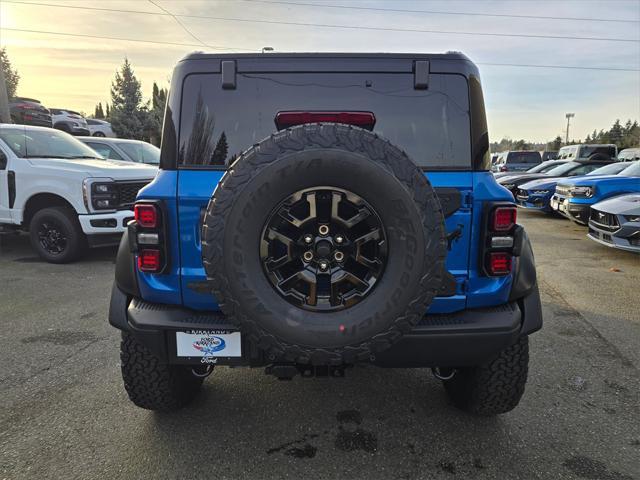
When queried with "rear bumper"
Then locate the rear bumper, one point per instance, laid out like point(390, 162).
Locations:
point(465, 338)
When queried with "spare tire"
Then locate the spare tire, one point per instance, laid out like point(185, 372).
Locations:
point(324, 243)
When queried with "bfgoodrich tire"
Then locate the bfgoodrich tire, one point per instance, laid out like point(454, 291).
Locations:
point(351, 168)
point(152, 384)
point(56, 235)
point(495, 387)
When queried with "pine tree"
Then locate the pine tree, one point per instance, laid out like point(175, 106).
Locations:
point(220, 152)
point(11, 75)
point(200, 143)
point(129, 115)
point(107, 115)
point(99, 113)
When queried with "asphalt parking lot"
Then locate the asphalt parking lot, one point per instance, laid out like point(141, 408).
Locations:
point(64, 412)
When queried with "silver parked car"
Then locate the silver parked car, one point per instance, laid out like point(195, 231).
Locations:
point(616, 222)
point(125, 150)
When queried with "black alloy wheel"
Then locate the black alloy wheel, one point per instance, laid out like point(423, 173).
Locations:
point(323, 249)
point(52, 237)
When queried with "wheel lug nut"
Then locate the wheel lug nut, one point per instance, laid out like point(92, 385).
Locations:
point(339, 256)
point(339, 239)
point(323, 265)
point(323, 229)
point(308, 238)
point(308, 255)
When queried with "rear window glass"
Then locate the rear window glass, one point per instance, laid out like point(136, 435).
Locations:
point(524, 157)
point(432, 125)
point(587, 151)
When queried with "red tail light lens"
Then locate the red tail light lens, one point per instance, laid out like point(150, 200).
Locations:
point(146, 215)
point(499, 263)
point(149, 260)
point(503, 219)
point(359, 119)
point(503, 168)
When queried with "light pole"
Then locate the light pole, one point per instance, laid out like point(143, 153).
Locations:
point(569, 117)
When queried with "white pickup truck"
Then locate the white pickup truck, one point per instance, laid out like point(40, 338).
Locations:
point(62, 193)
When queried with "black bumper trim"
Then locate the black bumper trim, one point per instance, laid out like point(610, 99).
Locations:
point(464, 338)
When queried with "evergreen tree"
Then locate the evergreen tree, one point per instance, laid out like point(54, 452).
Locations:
point(99, 113)
point(220, 152)
point(158, 101)
point(11, 75)
point(129, 114)
point(107, 114)
point(200, 143)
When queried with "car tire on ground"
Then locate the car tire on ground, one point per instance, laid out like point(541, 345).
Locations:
point(495, 387)
point(332, 167)
point(152, 384)
point(56, 235)
point(98, 134)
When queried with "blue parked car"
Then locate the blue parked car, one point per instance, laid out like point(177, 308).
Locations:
point(536, 194)
point(574, 198)
point(317, 211)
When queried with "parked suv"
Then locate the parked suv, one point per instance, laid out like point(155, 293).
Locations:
point(69, 121)
point(99, 128)
point(517, 161)
point(317, 211)
point(28, 111)
point(58, 191)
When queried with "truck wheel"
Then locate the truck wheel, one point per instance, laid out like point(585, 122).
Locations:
point(494, 387)
point(152, 384)
point(56, 234)
point(325, 244)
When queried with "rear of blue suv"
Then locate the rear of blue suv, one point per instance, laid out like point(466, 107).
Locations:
point(316, 211)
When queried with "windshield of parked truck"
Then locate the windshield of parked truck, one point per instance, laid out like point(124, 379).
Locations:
point(607, 150)
point(49, 143)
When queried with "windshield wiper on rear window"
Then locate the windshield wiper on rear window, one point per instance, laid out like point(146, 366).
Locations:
point(86, 156)
point(47, 156)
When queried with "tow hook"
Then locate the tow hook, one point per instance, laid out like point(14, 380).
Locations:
point(443, 373)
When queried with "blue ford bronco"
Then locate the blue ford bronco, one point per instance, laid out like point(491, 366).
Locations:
point(316, 211)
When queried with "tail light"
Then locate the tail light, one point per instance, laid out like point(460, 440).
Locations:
point(503, 219)
point(499, 263)
point(23, 106)
point(149, 260)
point(365, 120)
point(149, 237)
point(503, 168)
point(146, 215)
point(499, 239)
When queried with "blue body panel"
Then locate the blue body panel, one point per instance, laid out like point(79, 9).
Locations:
point(187, 192)
point(164, 288)
point(483, 291)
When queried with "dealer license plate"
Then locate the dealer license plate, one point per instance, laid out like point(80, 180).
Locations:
point(208, 343)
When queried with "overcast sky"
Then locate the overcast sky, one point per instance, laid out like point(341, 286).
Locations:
point(76, 73)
